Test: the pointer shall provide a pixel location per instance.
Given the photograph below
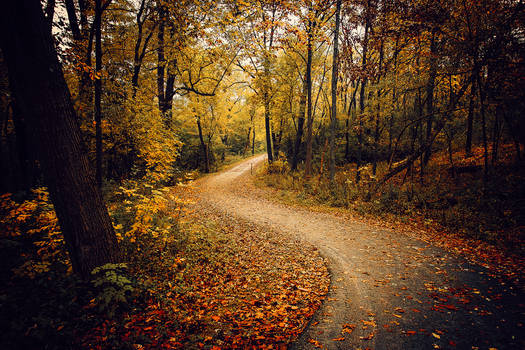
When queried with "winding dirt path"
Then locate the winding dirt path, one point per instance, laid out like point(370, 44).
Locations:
point(388, 291)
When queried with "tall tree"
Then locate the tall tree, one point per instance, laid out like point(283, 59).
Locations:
point(335, 73)
point(44, 99)
point(364, 81)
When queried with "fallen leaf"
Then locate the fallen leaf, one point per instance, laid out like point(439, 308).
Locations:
point(368, 337)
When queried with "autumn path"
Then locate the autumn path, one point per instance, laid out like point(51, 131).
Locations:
point(388, 291)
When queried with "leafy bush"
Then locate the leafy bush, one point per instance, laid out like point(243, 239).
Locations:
point(279, 166)
point(490, 209)
point(114, 288)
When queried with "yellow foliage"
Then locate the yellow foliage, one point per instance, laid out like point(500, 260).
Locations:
point(144, 211)
point(35, 217)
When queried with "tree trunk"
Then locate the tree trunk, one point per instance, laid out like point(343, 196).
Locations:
point(73, 21)
point(267, 127)
point(300, 126)
point(44, 98)
point(430, 94)
point(98, 91)
point(310, 117)
point(50, 13)
point(362, 97)
point(470, 117)
point(351, 107)
point(140, 48)
point(277, 139)
point(378, 114)
point(161, 60)
point(83, 45)
point(253, 141)
point(247, 144)
point(204, 147)
point(335, 73)
point(483, 128)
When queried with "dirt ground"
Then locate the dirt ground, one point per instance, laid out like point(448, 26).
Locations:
point(388, 290)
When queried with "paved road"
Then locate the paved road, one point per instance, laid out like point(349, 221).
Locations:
point(388, 291)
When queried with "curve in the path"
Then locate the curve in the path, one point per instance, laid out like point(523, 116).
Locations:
point(388, 291)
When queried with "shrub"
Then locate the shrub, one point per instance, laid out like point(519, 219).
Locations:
point(114, 289)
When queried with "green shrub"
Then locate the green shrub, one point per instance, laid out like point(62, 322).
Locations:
point(114, 290)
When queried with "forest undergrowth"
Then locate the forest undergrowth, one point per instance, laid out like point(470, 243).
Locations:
point(190, 279)
point(481, 218)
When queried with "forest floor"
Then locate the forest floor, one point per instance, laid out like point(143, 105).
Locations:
point(389, 289)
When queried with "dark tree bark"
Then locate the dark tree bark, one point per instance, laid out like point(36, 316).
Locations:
point(377, 130)
point(277, 138)
point(267, 126)
point(204, 147)
point(247, 144)
point(351, 107)
point(483, 128)
point(141, 44)
point(73, 20)
point(28, 170)
point(309, 114)
point(161, 60)
point(253, 141)
point(300, 127)
point(430, 94)
point(165, 69)
point(97, 109)
point(50, 13)
point(335, 73)
point(362, 94)
point(470, 117)
point(44, 99)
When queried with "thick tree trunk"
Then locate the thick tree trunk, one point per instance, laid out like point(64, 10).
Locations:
point(44, 98)
point(335, 73)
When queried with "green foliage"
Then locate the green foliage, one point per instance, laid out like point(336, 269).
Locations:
point(114, 289)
